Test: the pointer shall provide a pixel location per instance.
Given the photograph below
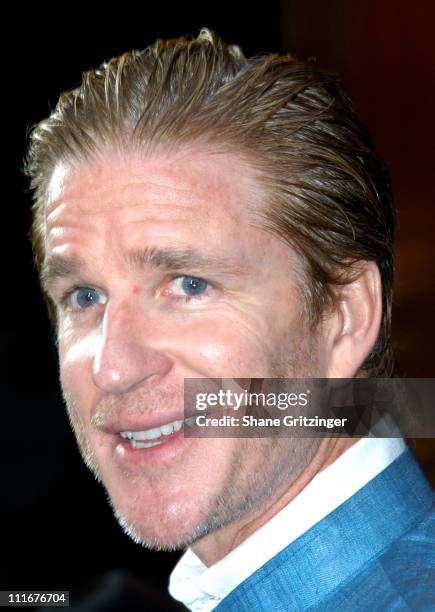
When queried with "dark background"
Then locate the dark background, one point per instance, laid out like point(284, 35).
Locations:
point(56, 527)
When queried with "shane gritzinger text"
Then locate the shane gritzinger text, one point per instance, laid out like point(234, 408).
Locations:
point(251, 421)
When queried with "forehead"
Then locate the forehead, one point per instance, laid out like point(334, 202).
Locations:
point(169, 184)
point(127, 197)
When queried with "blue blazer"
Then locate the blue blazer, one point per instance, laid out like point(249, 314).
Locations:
point(374, 552)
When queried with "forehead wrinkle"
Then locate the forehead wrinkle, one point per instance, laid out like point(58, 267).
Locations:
point(150, 193)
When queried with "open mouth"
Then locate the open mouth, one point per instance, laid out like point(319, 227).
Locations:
point(157, 435)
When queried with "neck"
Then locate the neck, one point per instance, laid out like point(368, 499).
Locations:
point(214, 546)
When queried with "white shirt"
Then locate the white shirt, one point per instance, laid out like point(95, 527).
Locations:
point(201, 588)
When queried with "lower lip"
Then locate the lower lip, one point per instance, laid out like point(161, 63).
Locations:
point(138, 457)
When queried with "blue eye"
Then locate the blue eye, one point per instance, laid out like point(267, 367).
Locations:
point(86, 296)
point(191, 286)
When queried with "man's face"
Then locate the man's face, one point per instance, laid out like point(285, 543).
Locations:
point(160, 273)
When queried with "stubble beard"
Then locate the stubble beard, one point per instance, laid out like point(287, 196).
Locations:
point(246, 490)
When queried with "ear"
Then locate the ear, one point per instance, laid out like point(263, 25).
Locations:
point(354, 325)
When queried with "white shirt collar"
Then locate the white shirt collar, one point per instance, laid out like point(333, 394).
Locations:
point(201, 588)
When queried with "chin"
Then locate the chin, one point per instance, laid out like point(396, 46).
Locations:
point(157, 523)
point(167, 537)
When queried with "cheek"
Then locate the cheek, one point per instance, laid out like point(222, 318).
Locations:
point(75, 361)
point(221, 346)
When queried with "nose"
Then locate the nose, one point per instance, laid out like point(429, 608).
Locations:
point(127, 352)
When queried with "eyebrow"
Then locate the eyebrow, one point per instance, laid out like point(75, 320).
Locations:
point(59, 266)
point(182, 259)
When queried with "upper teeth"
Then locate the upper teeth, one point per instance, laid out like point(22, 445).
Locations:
point(153, 434)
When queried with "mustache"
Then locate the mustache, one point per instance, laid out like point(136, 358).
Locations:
point(145, 400)
point(142, 401)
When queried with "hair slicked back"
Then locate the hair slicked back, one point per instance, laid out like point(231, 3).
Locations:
point(328, 191)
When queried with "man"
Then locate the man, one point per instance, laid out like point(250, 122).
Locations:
point(201, 215)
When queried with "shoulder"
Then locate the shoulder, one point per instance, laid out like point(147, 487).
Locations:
point(401, 578)
point(409, 563)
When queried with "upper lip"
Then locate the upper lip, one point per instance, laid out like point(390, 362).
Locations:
point(139, 423)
